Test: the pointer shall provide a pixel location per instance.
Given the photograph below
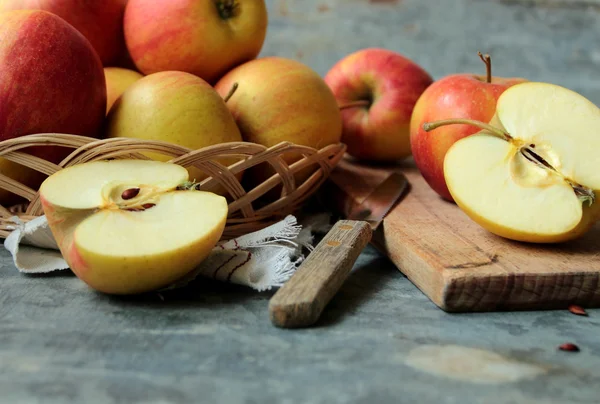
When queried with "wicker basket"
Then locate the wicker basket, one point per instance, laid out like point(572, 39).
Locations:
point(244, 216)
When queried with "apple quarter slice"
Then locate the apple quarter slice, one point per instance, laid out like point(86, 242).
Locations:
point(124, 242)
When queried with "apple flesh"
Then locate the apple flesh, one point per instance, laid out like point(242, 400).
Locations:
point(205, 38)
point(377, 90)
point(467, 96)
point(51, 80)
point(532, 174)
point(118, 80)
point(101, 22)
point(131, 226)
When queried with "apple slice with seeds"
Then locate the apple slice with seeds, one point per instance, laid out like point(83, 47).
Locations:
point(533, 173)
point(131, 226)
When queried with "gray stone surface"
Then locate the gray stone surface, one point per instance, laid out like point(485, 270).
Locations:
point(213, 343)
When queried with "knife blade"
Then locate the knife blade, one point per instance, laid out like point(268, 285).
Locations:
point(379, 202)
point(302, 299)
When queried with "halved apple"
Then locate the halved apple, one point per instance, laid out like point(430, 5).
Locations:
point(533, 173)
point(131, 226)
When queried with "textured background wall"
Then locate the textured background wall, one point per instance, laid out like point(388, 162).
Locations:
point(545, 40)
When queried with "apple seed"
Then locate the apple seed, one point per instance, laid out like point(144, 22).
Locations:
point(578, 310)
point(584, 194)
point(569, 347)
point(536, 158)
point(148, 205)
point(130, 193)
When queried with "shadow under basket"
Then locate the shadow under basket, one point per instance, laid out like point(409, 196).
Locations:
point(251, 207)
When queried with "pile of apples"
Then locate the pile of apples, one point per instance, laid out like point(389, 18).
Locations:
point(184, 72)
point(155, 70)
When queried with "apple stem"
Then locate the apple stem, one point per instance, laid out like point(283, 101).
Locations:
point(230, 93)
point(487, 59)
point(355, 104)
point(429, 126)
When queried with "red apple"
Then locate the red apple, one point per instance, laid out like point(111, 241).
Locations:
point(202, 37)
point(377, 90)
point(101, 22)
point(465, 95)
point(51, 80)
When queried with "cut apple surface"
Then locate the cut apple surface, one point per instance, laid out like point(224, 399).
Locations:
point(131, 226)
point(563, 126)
point(533, 173)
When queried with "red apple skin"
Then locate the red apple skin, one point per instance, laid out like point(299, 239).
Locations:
point(51, 80)
point(191, 35)
point(467, 96)
point(101, 21)
point(393, 83)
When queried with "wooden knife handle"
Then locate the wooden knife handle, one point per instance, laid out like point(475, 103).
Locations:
point(301, 300)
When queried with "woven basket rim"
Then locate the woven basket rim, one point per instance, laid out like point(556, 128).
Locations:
point(313, 164)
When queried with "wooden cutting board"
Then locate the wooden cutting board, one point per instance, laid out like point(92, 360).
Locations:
point(463, 268)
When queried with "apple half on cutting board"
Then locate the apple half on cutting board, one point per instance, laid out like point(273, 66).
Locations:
point(131, 226)
point(533, 173)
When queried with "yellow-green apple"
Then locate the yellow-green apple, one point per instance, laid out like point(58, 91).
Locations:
point(468, 96)
point(280, 99)
point(532, 174)
point(131, 226)
point(205, 38)
point(101, 22)
point(175, 107)
point(51, 80)
point(377, 90)
point(118, 79)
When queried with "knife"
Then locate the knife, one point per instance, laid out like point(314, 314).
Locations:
point(379, 202)
point(302, 299)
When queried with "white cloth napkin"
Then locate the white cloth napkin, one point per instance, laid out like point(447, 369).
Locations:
point(261, 260)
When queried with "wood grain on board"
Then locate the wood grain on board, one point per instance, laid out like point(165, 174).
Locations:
point(460, 266)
